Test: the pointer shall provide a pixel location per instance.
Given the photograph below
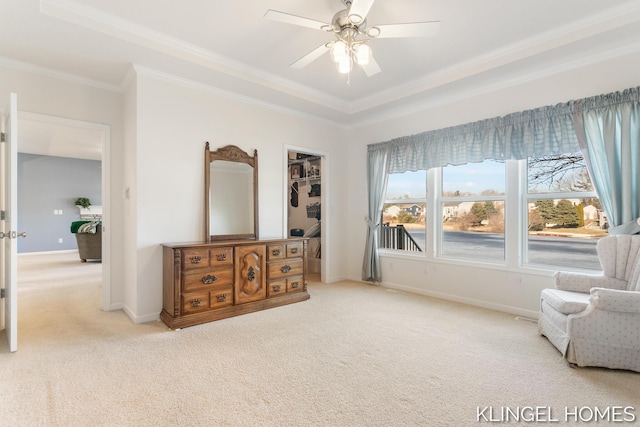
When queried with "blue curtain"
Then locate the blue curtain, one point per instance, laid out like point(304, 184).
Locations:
point(605, 128)
point(543, 131)
point(608, 130)
point(377, 177)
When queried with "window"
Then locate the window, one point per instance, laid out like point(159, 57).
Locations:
point(564, 216)
point(472, 203)
point(404, 213)
point(547, 216)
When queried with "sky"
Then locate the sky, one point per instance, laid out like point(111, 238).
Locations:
point(470, 178)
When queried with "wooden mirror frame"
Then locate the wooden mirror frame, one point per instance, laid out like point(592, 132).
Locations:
point(230, 153)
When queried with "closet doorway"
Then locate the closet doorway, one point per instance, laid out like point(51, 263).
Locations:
point(306, 195)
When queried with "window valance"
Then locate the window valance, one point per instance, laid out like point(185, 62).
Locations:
point(537, 132)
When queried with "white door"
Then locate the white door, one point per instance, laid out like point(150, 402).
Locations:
point(9, 220)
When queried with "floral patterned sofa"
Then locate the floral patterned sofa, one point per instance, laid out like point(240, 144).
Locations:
point(594, 319)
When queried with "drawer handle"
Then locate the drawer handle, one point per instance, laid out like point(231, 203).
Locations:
point(295, 285)
point(196, 302)
point(276, 252)
point(221, 298)
point(221, 257)
point(196, 259)
point(276, 288)
point(295, 250)
point(285, 268)
point(209, 279)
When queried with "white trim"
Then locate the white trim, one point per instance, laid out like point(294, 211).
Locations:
point(575, 31)
point(456, 96)
point(96, 20)
point(105, 130)
point(192, 84)
point(55, 74)
point(64, 251)
point(464, 300)
point(140, 319)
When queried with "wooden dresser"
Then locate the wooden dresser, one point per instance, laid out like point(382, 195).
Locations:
point(203, 282)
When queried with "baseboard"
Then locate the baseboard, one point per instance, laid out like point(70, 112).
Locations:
point(117, 306)
point(464, 300)
point(63, 251)
point(336, 279)
point(140, 319)
point(456, 298)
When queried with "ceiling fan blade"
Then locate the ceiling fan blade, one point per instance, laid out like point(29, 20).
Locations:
point(359, 10)
point(416, 29)
point(372, 68)
point(310, 57)
point(287, 18)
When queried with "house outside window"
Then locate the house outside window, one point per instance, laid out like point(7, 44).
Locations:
point(564, 216)
point(529, 213)
point(472, 202)
point(404, 213)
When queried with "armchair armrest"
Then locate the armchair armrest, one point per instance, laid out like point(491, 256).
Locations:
point(615, 300)
point(583, 282)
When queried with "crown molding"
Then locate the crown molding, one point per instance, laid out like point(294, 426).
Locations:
point(128, 31)
point(611, 19)
point(56, 74)
point(192, 84)
point(461, 95)
point(114, 26)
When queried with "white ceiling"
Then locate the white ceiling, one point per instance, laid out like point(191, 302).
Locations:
point(228, 44)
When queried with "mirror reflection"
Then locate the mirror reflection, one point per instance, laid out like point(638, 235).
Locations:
point(231, 194)
point(231, 198)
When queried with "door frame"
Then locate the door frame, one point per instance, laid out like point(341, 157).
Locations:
point(324, 197)
point(105, 132)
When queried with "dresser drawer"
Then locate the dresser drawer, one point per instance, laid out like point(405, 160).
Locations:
point(204, 278)
point(195, 258)
point(295, 284)
point(221, 298)
point(276, 252)
point(285, 268)
point(195, 302)
point(276, 287)
point(221, 256)
point(294, 250)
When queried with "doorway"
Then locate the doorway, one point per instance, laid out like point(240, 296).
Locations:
point(305, 197)
point(41, 134)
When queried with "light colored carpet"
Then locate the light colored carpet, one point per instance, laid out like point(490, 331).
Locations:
point(353, 355)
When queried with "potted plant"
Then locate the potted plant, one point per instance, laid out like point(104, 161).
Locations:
point(83, 202)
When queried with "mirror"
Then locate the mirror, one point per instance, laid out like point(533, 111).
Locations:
point(231, 194)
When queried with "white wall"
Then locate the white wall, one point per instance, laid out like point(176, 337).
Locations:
point(174, 120)
point(510, 289)
point(159, 158)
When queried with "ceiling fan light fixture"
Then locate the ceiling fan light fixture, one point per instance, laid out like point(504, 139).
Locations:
point(339, 51)
point(345, 65)
point(355, 19)
point(363, 54)
point(373, 32)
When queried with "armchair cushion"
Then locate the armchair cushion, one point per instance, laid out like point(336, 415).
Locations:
point(582, 282)
point(613, 300)
point(566, 302)
point(618, 255)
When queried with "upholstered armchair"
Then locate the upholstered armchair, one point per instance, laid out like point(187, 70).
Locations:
point(89, 238)
point(594, 319)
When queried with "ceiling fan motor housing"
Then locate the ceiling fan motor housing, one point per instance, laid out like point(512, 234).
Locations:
point(341, 22)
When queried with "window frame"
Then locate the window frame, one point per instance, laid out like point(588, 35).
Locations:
point(516, 199)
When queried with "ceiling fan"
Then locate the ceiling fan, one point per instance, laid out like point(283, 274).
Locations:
point(351, 32)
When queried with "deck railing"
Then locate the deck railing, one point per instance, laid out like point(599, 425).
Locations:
point(397, 237)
